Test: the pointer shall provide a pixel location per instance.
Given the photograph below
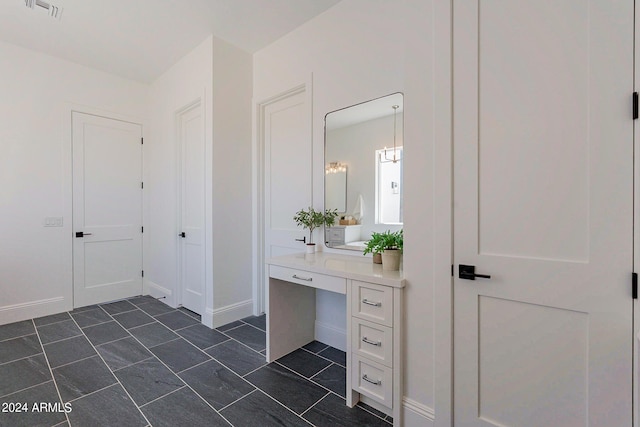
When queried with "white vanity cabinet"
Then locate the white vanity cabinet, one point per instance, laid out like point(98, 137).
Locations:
point(338, 235)
point(373, 319)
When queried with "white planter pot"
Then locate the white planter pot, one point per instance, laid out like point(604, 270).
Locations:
point(391, 259)
point(311, 248)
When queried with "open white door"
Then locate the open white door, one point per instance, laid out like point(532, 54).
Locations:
point(192, 212)
point(107, 209)
point(543, 203)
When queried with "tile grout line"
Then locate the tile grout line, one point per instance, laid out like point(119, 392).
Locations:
point(318, 401)
point(309, 379)
point(279, 403)
point(323, 357)
point(22, 358)
point(53, 378)
point(15, 338)
point(26, 388)
point(322, 370)
point(163, 396)
point(153, 356)
point(186, 384)
point(112, 373)
point(238, 399)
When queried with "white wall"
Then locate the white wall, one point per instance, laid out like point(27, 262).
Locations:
point(232, 183)
point(38, 94)
point(220, 75)
point(189, 80)
point(356, 51)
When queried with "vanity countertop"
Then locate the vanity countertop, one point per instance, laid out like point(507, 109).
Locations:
point(348, 266)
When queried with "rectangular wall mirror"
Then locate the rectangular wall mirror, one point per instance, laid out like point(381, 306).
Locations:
point(363, 170)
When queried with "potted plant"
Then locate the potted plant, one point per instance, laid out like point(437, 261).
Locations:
point(311, 219)
point(392, 245)
point(374, 246)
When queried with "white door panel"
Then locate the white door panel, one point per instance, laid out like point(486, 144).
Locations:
point(107, 209)
point(543, 196)
point(191, 141)
point(287, 134)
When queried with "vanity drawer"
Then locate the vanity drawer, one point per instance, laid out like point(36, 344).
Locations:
point(372, 302)
point(372, 380)
point(335, 233)
point(372, 341)
point(306, 278)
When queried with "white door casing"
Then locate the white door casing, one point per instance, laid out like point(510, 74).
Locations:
point(543, 198)
point(107, 209)
point(190, 127)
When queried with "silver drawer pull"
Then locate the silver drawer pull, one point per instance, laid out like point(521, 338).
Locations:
point(308, 279)
point(376, 343)
point(364, 377)
point(375, 304)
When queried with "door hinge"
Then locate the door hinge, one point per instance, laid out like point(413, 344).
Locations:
point(142, 229)
point(142, 273)
point(141, 141)
point(451, 270)
point(142, 185)
point(635, 105)
point(634, 285)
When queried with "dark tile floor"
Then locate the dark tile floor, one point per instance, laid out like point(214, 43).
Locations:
point(140, 362)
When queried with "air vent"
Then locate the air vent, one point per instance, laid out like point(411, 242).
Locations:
point(44, 7)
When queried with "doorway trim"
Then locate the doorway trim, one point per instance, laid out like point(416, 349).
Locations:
point(67, 110)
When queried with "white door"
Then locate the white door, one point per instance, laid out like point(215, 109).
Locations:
point(543, 175)
point(192, 263)
point(287, 142)
point(107, 209)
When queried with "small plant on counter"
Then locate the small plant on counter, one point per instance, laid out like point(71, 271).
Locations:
point(388, 241)
point(311, 219)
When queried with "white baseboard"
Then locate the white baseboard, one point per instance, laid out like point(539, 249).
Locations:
point(331, 335)
point(415, 414)
point(32, 309)
point(227, 314)
point(157, 291)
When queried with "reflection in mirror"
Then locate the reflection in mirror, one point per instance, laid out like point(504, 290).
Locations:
point(363, 170)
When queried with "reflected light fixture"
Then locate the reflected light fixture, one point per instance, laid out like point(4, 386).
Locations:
point(395, 157)
point(335, 167)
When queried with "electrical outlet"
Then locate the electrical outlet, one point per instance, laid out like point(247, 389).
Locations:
point(53, 222)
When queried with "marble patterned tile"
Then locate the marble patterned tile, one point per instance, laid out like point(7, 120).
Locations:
point(179, 355)
point(16, 330)
point(201, 336)
point(83, 377)
point(216, 384)
point(108, 407)
point(230, 326)
point(182, 408)
point(257, 409)
point(54, 318)
point(249, 336)
point(334, 378)
point(335, 355)
point(68, 351)
point(105, 332)
point(176, 320)
point(305, 363)
point(147, 380)
point(288, 388)
point(315, 346)
point(155, 307)
point(117, 307)
point(237, 357)
point(90, 317)
point(23, 373)
point(153, 334)
point(122, 353)
point(18, 348)
point(58, 331)
point(134, 318)
point(259, 322)
point(41, 394)
point(332, 411)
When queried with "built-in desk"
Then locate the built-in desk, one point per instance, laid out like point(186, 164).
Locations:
point(374, 319)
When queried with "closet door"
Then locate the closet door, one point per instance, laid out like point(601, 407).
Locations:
point(543, 204)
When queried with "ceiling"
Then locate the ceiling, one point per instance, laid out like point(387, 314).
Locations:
point(373, 109)
point(140, 39)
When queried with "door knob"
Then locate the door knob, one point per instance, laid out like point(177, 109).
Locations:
point(468, 272)
point(183, 234)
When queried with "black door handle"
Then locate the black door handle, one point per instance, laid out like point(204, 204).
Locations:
point(468, 272)
point(183, 234)
point(82, 234)
point(303, 240)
